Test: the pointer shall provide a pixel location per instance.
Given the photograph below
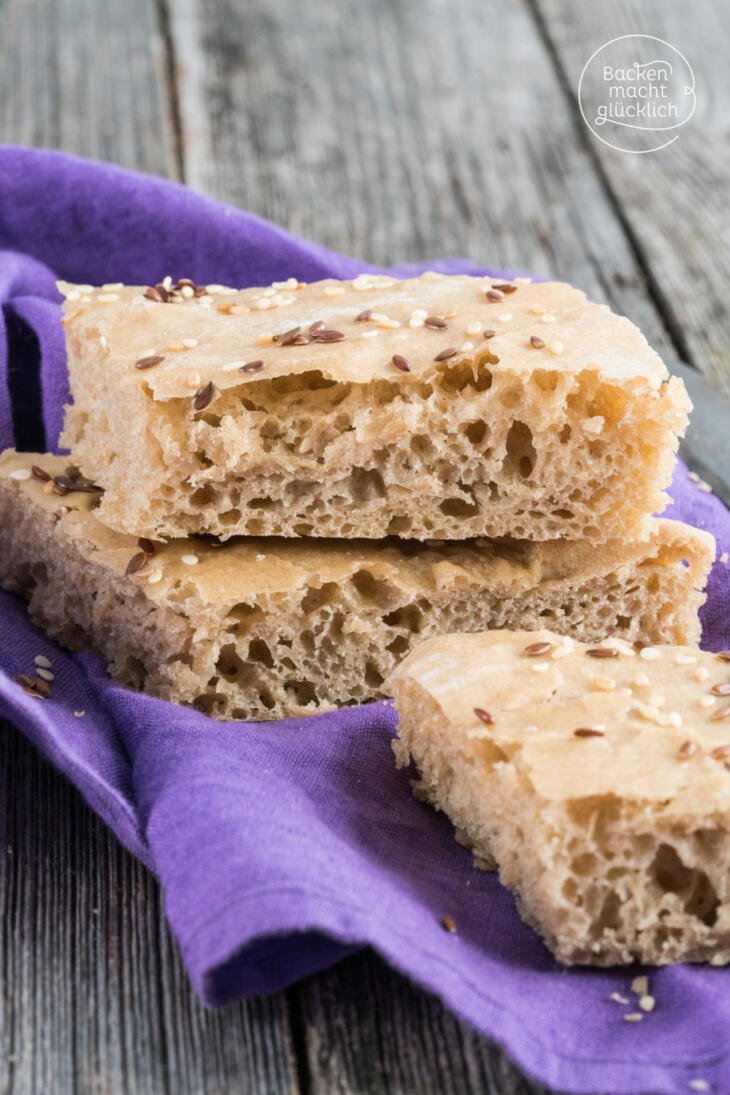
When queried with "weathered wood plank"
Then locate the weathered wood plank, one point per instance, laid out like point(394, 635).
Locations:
point(88, 76)
point(93, 996)
point(371, 1031)
point(673, 202)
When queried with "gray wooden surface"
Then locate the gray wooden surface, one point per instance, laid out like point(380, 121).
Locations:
point(396, 130)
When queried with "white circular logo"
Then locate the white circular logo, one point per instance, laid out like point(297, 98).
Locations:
point(636, 92)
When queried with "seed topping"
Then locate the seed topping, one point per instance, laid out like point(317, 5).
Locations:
point(602, 652)
point(401, 363)
point(32, 686)
point(149, 362)
point(535, 649)
point(252, 366)
point(203, 396)
point(485, 717)
point(588, 732)
point(444, 355)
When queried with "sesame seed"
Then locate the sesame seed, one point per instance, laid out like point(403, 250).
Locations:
point(400, 363)
point(436, 323)
point(707, 701)
point(333, 290)
point(488, 333)
point(721, 752)
point(252, 366)
point(724, 558)
point(536, 310)
point(721, 689)
point(149, 362)
point(42, 661)
point(547, 317)
point(448, 924)
point(701, 673)
point(649, 653)
point(618, 998)
point(484, 716)
point(370, 334)
point(540, 667)
point(474, 328)
point(79, 714)
point(602, 652)
point(720, 713)
point(633, 1017)
point(587, 732)
point(203, 396)
point(640, 680)
point(444, 355)
point(693, 476)
point(292, 337)
point(699, 1085)
point(647, 1002)
point(40, 473)
point(189, 560)
point(136, 563)
point(687, 749)
point(603, 684)
point(556, 348)
point(504, 317)
point(20, 474)
point(364, 316)
point(536, 342)
point(154, 577)
point(112, 286)
point(107, 298)
point(45, 674)
point(494, 295)
point(188, 343)
point(466, 347)
point(505, 287)
point(685, 659)
point(535, 649)
point(640, 985)
point(723, 655)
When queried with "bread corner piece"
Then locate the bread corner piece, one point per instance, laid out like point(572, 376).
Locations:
point(258, 628)
point(433, 407)
point(596, 778)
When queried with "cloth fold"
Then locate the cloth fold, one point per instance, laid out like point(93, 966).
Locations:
point(283, 846)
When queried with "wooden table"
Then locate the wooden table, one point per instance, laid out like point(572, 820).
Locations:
point(395, 130)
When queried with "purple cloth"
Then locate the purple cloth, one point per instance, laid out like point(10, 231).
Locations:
point(281, 846)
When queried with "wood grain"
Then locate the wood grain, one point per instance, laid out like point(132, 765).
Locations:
point(93, 996)
point(87, 76)
point(673, 203)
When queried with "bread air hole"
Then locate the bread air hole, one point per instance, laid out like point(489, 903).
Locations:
point(521, 454)
point(690, 884)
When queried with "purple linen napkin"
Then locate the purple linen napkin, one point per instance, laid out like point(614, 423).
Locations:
point(281, 846)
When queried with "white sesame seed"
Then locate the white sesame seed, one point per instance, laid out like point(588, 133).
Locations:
point(647, 1002)
point(42, 661)
point(640, 985)
point(73, 294)
point(112, 286)
point(333, 290)
point(103, 342)
point(154, 577)
point(707, 701)
point(45, 674)
point(187, 291)
point(260, 558)
point(685, 659)
point(650, 653)
point(724, 558)
point(79, 714)
point(540, 667)
point(619, 999)
point(194, 380)
point(188, 343)
point(20, 474)
point(693, 477)
point(466, 347)
point(107, 298)
point(189, 560)
point(522, 281)
point(633, 1017)
point(537, 311)
point(675, 719)
point(547, 317)
point(474, 328)
point(603, 684)
point(261, 304)
point(703, 486)
point(264, 340)
point(701, 673)
point(504, 317)
point(699, 1085)
point(370, 334)
point(556, 348)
